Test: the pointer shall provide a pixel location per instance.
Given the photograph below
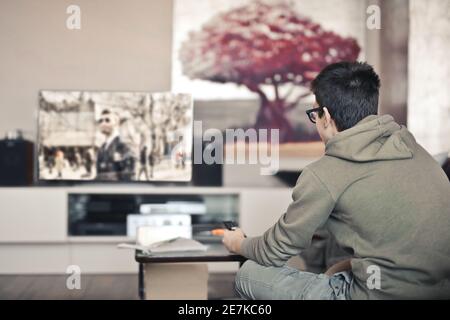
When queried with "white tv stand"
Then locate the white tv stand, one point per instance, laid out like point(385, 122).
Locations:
point(34, 226)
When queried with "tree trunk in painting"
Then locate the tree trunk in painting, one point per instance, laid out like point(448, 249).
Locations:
point(272, 115)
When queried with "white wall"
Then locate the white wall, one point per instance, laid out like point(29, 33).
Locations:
point(122, 45)
point(429, 74)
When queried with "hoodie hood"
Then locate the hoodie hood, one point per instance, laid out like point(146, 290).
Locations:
point(372, 139)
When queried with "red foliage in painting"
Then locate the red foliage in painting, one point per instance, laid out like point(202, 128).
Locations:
point(262, 45)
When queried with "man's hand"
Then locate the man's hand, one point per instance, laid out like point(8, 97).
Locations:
point(233, 240)
point(344, 265)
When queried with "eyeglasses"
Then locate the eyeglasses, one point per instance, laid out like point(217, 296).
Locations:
point(106, 120)
point(313, 113)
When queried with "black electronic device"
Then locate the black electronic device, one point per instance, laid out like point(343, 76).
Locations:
point(230, 225)
point(16, 161)
point(207, 175)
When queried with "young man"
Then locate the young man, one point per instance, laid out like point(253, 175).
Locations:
point(115, 162)
point(385, 200)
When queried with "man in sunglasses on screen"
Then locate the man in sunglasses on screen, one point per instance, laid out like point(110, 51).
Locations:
point(115, 161)
point(379, 194)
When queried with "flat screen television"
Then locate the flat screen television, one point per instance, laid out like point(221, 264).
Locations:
point(114, 136)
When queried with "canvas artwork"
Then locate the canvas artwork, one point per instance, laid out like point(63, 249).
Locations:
point(115, 136)
point(253, 60)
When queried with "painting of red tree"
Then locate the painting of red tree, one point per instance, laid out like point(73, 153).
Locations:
point(272, 50)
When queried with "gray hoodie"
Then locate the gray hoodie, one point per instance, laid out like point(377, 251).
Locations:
point(385, 200)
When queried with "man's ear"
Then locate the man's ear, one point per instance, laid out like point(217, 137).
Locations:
point(327, 117)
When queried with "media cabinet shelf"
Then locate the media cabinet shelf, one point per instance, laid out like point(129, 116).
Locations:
point(34, 234)
point(99, 239)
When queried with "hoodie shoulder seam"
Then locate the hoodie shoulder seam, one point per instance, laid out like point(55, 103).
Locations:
point(321, 182)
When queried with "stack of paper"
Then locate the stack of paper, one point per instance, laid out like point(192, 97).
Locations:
point(172, 245)
point(148, 235)
point(177, 245)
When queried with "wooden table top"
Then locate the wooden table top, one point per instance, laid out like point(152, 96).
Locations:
point(214, 253)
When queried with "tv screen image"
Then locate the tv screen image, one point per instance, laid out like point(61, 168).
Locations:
point(115, 136)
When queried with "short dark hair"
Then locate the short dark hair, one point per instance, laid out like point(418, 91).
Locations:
point(349, 90)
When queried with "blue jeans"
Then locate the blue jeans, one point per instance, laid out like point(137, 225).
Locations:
point(257, 282)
